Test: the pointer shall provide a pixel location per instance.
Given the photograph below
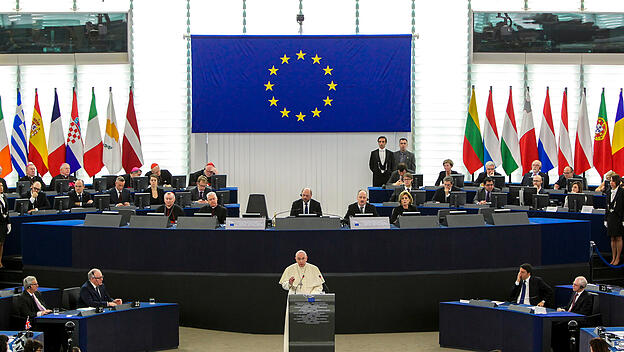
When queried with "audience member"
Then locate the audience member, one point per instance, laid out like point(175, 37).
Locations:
point(442, 194)
point(31, 175)
point(135, 172)
point(598, 345)
point(93, 292)
point(214, 208)
point(33, 346)
point(63, 175)
point(199, 193)
point(381, 163)
point(306, 205)
point(484, 194)
point(119, 195)
point(157, 195)
point(447, 172)
point(171, 210)
point(209, 170)
point(538, 183)
point(78, 197)
point(531, 290)
point(568, 172)
point(614, 218)
point(5, 222)
point(396, 177)
point(163, 175)
point(604, 187)
point(407, 186)
point(37, 198)
point(4, 340)
point(581, 303)
point(405, 205)
point(30, 303)
point(490, 170)
point(404, 156)
point(576, 188)
point(361, 206)
point(536, 167)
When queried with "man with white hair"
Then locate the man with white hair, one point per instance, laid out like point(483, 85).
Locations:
point(31, 175)
point(30, 303)
point(63, 175)
point(300, 278)
point(536, 170)
point(93, 293)
point(580, 302)
point(171, 210)
point(490, 170)
point(214, 208)
point(361, 206)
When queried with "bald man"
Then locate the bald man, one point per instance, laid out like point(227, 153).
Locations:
point(63, 175)
point(37, 198)
point(361, 206)
point(306, 205)
point(171, 210)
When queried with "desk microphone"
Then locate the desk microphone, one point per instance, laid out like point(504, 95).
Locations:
point(324, 284)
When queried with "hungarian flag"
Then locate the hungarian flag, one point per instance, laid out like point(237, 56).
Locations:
point(618, 139)
point(473, 145)
point(57, 140)
point(5, 153)
point(75, 150)
point(564, 156)
point(528, 145)
point(132, 155)
point(93, 143)
point(547, 145)
point(37, 148)
point(583, 154)
point(491, 145)
point(112, 150)
point(510, 147)
point(602, 140)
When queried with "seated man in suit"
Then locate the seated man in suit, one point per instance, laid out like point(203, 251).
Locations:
point(209, 170)
point(118, 194)
point(214, 208)
point(537, 183)
point(93, 293)
point(305, 205)
point(568, 172)
point(404, 156)
point(163, 175)
point(171, 210)
point(396, 177)
point(490, 168)
point(407, 186)
point(484, 195)
point(361, 206)
point(581, 302)
point(30, 303)
point(530, 290)
point(78, 197)
point(38, 198)
point(536, 168)
point(442, 194)
point(199, 193)
point(63, 175)
point(31, 175)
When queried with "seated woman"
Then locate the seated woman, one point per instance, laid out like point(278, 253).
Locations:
point(156, 194)
point(448, 165)
point(405, 205)
point(576, 188)
point(605, 186)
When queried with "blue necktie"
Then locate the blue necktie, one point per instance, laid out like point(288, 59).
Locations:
point(306, 209)
point(523, 292)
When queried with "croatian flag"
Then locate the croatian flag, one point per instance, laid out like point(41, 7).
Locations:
point(75, 148)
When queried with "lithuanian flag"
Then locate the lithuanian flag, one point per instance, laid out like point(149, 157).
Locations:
point(473, 143)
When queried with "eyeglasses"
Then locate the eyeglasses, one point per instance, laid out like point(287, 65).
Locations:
point(36, 189)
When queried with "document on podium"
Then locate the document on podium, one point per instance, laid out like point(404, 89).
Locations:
point(311, 322)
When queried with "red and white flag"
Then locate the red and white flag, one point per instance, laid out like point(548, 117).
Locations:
point(583, 153)
point(564, 156)
point(131, 153)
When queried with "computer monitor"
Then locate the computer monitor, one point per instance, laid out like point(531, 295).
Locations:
point(61, 202)
point(21, 187)
point(61, 186)
point(419, 196)
point(540, 201)
point(99, 184)
point(528, 195)
point(223, 197)
point(183, 199)
point(417, 180)
point(178, 181)
point(458, 180)
point(139, 183)
point(499, 181)
point(457, 199)
point(576, 201)
point(514, 194)
point(570, 181)
point(110, 181)
point(101, 201)
point(141, 200)
point(21, 205)
point(498, 200)
point(218, 181)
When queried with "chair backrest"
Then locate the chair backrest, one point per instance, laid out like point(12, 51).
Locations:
point(257, 204)
point(71, 296)
point(595, 303)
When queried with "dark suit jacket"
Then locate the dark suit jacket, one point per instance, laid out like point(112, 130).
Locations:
point(114, 199)
point(195, 194)
point(481, 178)
point(614, 214)
point(313, 208)
point(381, 172)
point(26, 306)
point(563, 183)
point(440, 196)
point(73, 199)
point(173, 214)
point(400, 210)
point(219, 211)
point(442, 175)
point(538, 289)
point(164, 179)
point(355, 209)
point(527, 179)
point(410, 160)
point(32, 180)
point(193, 177)
point(41, 202)
point(90, 298)
point(584, 303)
point(4, 215)
point(71, 179)
point(160, 198)
point(481, 194)
point(397, 192)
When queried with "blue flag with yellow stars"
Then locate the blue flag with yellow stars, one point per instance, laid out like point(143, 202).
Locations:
point(355, 83)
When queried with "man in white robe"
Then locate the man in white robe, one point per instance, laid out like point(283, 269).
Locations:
point(300, 278)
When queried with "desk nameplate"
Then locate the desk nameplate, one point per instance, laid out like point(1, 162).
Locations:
point(367, 223)
point(245, 223)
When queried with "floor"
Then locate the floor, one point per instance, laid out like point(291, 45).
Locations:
point(209, 340)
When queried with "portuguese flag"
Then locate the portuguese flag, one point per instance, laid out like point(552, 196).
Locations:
point(473, 144)
point(602, 141)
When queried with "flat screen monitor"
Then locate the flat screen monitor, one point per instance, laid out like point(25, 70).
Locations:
point(218, 181)
point(178, 181)
point(514, 194)
point(139, 183)
point(576, 201)
point(571, 181)
point(223, 197)
point(110, 181)
point(141, 200)
point(419, 196)
point(61, 202)
point(499, 200)
point(101, 201)
point(528, 195)
point(21, 205)
point(458, 180)
point(499, 181)
point(100, 184)
point(417, 180)
point(22, 187)
point(61, 186)
point(457, 199)
point(183, 199)
point(540, 201)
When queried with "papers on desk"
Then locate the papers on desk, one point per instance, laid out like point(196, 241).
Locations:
point(84, 309)
point(540, 310)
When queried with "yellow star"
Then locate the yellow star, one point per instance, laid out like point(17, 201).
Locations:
point(328, 101)
point(327, 70)
point(269, 86)
point(301, 55)
point(285, 112)
point(316, 112)
point(273, 101)
point(273, 70)
point(300, 116)
point(332, 85)
point(316, 59)
point(285, 59)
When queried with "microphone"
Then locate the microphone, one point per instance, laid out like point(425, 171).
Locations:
point(324, 284)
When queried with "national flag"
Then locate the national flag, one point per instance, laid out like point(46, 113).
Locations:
point(510, 147)
point(37, 148)
point(132, 155)
point(112, 150)
point(75, 150)
point(19, 155)
point(5, 152)
point(57, 140)
point(491, 145)
point(583, 154)
point(602, 140)
point(547, 145)
point(93, 143)
point(27, 326)
point(618, 138)
point(473, 144)
point(528, 145)
point(564, 157)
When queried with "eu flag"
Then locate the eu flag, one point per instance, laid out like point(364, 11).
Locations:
point(301, 83)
